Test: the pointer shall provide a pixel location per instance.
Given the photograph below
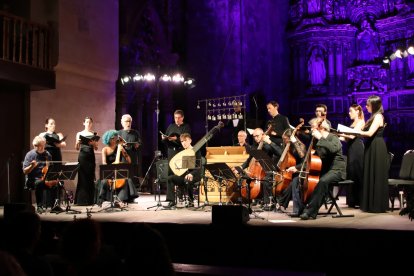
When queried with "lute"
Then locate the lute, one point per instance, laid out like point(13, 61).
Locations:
point(177, 165)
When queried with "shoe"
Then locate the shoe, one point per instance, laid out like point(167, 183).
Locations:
point(190, 204)
point(40, 210)
point(306, 216)
point(170, 204)
point(293, 215)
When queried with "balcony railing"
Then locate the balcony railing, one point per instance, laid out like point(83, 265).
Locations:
point(24, 42)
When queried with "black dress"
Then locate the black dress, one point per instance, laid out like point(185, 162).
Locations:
point(85, 190)
point(376, 166)
point(355, 171)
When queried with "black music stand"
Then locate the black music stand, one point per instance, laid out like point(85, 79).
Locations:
point(114, 172)
point(59, 171)
point(222, 173)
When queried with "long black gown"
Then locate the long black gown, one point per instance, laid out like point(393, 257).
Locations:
point(85, 190)
point(376, 166)
point(355, 171)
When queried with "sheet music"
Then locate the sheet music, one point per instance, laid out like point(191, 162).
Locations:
point(348, 130)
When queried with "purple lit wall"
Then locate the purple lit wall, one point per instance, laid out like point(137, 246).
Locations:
point(299, 53)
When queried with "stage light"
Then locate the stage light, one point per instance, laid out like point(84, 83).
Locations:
point(386, 60)
point(125, 79)
point(392, 57)
point(398, 53)
point(198, 105)
point(410, 50)
point(405, 53)
point(178, 78)
point(137, 78)
point(165, 78)
point(149, 77)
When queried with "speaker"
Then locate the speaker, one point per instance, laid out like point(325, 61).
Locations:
point(11, 209)
point(230, 214)
point(162, 170)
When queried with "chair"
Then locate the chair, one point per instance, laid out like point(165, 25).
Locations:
point(405, 179)
point(332, 200)
point(178, 190)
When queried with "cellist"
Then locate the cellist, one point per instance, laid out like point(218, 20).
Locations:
point(297, 149)
point(274, 151)
point(329, 149)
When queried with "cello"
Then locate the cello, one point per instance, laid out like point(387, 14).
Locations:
point(287, 160)
point(310, 170)
point(256, 172)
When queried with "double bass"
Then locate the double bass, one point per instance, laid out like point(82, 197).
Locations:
point(287, 160)
point(256, 172)
point(310, 170)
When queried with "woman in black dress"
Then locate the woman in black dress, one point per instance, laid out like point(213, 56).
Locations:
point(355, 157)
point(85, 190)
point(376, 160)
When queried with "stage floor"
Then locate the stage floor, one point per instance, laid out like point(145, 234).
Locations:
point(142, 212)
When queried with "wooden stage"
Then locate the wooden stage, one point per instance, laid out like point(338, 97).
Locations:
point(271, 241)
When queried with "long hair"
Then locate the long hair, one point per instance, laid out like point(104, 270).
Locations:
point(358, 108)
point(376, 107)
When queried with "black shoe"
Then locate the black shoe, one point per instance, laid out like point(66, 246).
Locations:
point(293, 215)
point(306, 216)
point(171, 204)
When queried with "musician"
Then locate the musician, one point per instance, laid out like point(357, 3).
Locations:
point(85, 189)
point(51, 137)
point(274, 151)
point(329, 149)
point(236, 124)
point(242, 140)
point(355, 156)
point(278, 122)
point(298, 151)
point(186, 180)
point(33, 165)
point(54, 143)
point(111, 155)
point(321, 111)
point(172, 135)
point(133, 142)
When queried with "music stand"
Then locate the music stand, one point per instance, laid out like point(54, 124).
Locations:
point(221, 172)
point(114, 172)
point(59, 171)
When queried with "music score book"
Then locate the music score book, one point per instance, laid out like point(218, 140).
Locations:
point(86, 140)
point(347, 130)
point(52, 140)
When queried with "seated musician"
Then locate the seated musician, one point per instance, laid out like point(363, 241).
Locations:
point(111, 154)
point(34, 165)
point(298, 151)
point(186, 180)
point(263, 141)
point(242, 140)
point(329, 148)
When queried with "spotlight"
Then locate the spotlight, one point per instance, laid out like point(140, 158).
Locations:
point(149, 77)
point(125, 79)
point(398, 53)
point(177, 78)
point(165, 78)
point(410, 50)
point(198, 105)
point(405, 54)
point(137, 78)
point(386, 60)
point(392, 57)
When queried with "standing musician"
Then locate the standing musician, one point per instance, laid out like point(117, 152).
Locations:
point(133, 142)
point(278, 122)
point(35, 169)
point(274, 151)
point(111, 153)
point(329, 149)
point(186, 180)
point(298, 150)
